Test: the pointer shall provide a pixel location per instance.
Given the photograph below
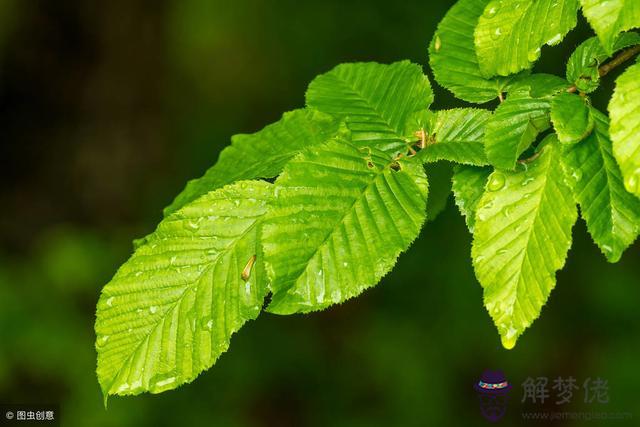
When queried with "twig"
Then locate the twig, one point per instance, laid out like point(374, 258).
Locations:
point(605, 69)
point(623, 57)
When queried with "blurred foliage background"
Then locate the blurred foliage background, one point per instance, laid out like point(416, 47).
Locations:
point(107, 108)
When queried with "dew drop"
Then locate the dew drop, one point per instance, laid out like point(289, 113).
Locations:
point(153, 309)
point(492, 11)
point(631, 182)
point(495, 35)
point(576, 175)
point(437, 44)
point(509, 338)
point(110, 301)
point(496, 182)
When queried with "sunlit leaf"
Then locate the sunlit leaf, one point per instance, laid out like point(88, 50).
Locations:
point(374, 99)
point(342, 215)
point(521, 239)
point(171, 309)
point(453, 58)
point(511, 33)
point(611, 17)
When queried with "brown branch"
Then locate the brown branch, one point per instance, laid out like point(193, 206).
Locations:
point(623, 57)
point(605, 69)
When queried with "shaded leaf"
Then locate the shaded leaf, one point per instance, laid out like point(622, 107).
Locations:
point(455, 135)
point(611, 213)
point(439, 175)
point(584, 63)
point(539, 85)
point(262, 154)
point(513, 127)
point(571, 118)
point(468, 187)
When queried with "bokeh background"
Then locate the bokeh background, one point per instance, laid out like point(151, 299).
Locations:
point(107, 108)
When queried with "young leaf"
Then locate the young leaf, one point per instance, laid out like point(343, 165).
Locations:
point(521, 239)
point(468, 187)
point(342, 215)
point(453, 58)
point(514, 127)
point(571, 118)
point(262, 154)
point(374, 99)
point(170, 310)
point(611, 213)
point(510, 33)
point(584, 63)
point(624, 109)
point(610, 18)
point(454, 135)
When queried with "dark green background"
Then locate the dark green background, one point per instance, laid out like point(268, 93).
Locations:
point(107, 108)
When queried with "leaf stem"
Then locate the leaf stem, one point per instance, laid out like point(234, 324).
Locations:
point(620, 59)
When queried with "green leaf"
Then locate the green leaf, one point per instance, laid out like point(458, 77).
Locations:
point(571, 118)
point(611, 17)
point(374, 99)
point(510, 33)
point(624, 109)
point(521, 239)
point(342, 215)
point(468, 187)
point(611, 213)
point(538, 85)
point(454, 135)
point(513, 127)
point(170, 310)
point(584, 63)
point(262, 154)
point(453, 58)
point(439, 176)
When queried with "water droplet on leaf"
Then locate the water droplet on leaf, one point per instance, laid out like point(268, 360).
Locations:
point(631, 182)
point(496, 182)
